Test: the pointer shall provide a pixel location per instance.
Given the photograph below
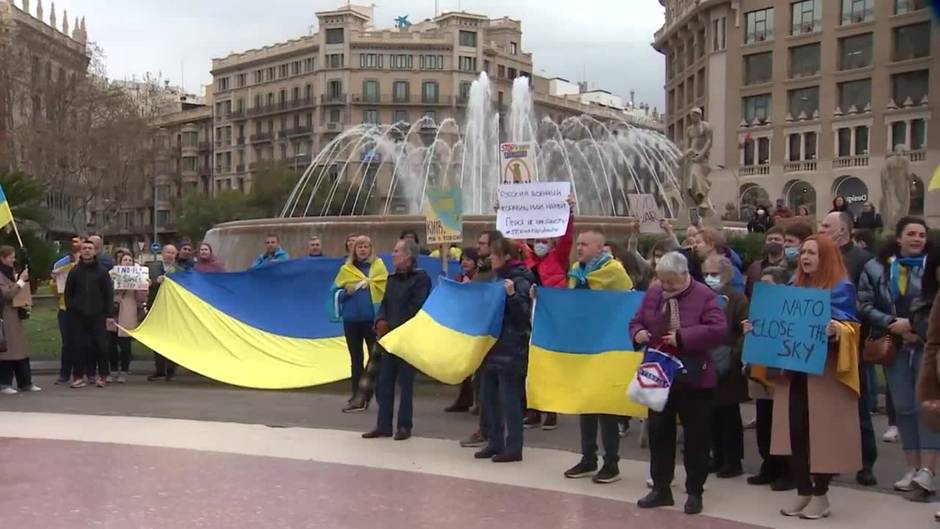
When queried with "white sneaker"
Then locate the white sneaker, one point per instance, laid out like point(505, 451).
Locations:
point(8, 391)
point(121, 378)
point(818, 508)
point(32, 388)
point(906, 484)
point(924, 479)
point(892, 435)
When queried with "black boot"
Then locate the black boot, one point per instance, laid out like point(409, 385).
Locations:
point(656, 498)
point(693, 504)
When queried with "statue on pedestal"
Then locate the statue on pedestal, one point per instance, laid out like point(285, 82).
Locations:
point(895, 187)
point(696, 185)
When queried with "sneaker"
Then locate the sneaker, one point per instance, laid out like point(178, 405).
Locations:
point(78, 383)
point(101, 382)
point(892, 435)
point(506, 457)
point(121, 378)
point(905, 484)
point(551, 422)
point(656, 498)
point(110, 379)
point(356, 407)
point(866, 478)
point(156, 377)
point(61, 382)
point(7, 390)
point(693, 504)
point(32, 388)
point(582, 470)
point(533, 419)
point(817, 509)
point(475, 440)
point(485, 453)
point(924, 479)
point(607, 474)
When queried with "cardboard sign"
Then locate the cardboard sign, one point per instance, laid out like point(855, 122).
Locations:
point(443, 212)
point(644, 208)
point(789, 328)
point(533, 211)
point(517, 163)
point(130, 277)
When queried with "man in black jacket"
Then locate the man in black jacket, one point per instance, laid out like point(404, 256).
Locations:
point(89, 301)
point(407, 290)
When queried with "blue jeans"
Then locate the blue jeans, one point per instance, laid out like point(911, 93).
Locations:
point(392, 370)
point(610, 438)
point(902, 380)
point(501, 396)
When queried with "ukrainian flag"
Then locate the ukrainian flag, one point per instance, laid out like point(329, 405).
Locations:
point(935, 181)
point(451, 335)
point(350, 275)
point(581, 358)
point(6, 214)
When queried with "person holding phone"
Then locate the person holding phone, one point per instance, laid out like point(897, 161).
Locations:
point(14, 358)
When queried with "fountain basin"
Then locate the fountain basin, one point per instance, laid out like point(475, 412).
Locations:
point(239, 242)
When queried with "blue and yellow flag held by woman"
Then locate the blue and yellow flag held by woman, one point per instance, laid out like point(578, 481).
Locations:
point(350, 275)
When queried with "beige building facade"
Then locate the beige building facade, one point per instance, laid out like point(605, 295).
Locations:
point(807, 99)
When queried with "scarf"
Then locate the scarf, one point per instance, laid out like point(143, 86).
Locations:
point(580, 273)
point(901, 273)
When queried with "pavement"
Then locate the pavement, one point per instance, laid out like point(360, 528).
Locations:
point(169, 444)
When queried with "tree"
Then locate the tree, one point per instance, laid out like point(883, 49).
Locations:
point(196, 214)
point(271, 187)
point(27, 198)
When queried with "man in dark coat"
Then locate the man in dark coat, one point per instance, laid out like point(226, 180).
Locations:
point(89, 301)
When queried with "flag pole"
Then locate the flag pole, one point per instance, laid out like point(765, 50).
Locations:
point(17, 232)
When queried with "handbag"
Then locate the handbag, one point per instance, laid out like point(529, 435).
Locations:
point(880, 351)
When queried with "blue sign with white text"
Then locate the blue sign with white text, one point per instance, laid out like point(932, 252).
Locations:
point(789, 328)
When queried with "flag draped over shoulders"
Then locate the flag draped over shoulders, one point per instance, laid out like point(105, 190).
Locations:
point(845, 313)
point(349, 274)
point(604, 274)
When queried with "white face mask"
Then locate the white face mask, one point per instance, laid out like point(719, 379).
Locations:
point(541, 249)
point(714, 282)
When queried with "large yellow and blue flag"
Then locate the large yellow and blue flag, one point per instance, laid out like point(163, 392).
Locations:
point(350, 275)
point(6, 214)
point(264, 328)
point(581, 358)
point(451, 335)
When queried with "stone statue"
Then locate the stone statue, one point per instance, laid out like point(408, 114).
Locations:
point(895, 187)
point(696, 184)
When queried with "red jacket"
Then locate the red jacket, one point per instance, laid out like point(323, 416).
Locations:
point(552, 270)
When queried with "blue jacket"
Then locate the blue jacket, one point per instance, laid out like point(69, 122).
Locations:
point(738, 281)
point(357, 306)
point(266, 258)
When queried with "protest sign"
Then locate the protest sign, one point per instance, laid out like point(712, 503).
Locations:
point(130, 278)
point(533, 211)
point(443, 213)
point(789, 328)
point(517, 163)
point(644, 208)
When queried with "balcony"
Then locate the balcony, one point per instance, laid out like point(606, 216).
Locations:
point(842, 162)
point(333, 99)
point(205, 146)
point(296, 131)
point(236, 114)
point(334, 126)
point(223, 143)
point(273, 108)
point(240, 168)
point(918, 155)
point(240, 140)
point(364, 99)
point(437, 101)
point(261, 137)
point(755, 170)
point(799, 166)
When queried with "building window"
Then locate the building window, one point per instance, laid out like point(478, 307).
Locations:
point(430, 92)
point(465, 91)
point(241, 80)
point(719, 26)
point(855, 52)
point(760, 26)
point(400, 91)
point(370, 60)
point(401, 116)
point(501, 71)
point(269, 74)
point(335, 115)
point(432, 62)
point(334, 88)
point(310, 64)
point(370, 91)
point(467, 64)
point(431, 115)
point(852, 141)
point(912, 42)
point(804, 102)
point(514, 48)
point(283, 71)
point(335, 60)
point(402, 62)
point(918, 134)
point(794, 142)
point(855, 94)
point(282, 96)
point(857, 11)
point(512, 73)
point(807, 17)
point(295, 67)
point(757, 108)
point(910, 88)
point(899, 134)
point(804, 61)
point(308, 92)
point(334, 36)
point(370, 117)
point(163, 217)
point(758, 68)
point(223, 83)
point(907, 6)
point(468, 39)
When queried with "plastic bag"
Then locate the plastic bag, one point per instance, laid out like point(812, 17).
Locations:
point(654, 378)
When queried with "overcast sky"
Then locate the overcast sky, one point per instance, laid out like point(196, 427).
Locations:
point(606, 42)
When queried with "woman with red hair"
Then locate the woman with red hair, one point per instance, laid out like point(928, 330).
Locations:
point(816, 416)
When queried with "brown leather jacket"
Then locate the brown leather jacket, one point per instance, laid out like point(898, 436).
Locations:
point(928, 386)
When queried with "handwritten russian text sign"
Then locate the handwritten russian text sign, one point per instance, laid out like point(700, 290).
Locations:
point(644, 208)
point(130, 278)
point(789, 328)
point(533, 211)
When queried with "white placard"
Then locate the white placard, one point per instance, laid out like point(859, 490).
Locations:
point(516, 163)
point(130, 277)
point(644, 208)
point(533, 211)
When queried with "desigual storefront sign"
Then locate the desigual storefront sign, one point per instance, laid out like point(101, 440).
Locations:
point(855, 192)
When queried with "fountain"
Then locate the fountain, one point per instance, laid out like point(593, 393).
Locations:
point(377, 175)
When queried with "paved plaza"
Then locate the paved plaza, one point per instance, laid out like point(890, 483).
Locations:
point(193, 453)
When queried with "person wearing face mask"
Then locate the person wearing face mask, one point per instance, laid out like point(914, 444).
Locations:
point(888, 288)
point(709, 242)
point(773, 239)
point(793, 237)
point(761, 221)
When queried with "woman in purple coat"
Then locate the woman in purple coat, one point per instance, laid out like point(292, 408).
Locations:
point(682, 317)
